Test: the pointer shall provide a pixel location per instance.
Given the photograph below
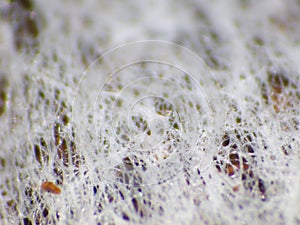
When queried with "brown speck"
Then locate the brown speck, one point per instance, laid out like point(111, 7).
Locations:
point(3, 95)
point(50, 187)
point(235, 160)
point(229, 169)
point(236, 188)
point(245, 164)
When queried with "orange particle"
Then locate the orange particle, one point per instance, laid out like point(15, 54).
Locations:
point(230, 169)
point(50, 187)
point(236, 188)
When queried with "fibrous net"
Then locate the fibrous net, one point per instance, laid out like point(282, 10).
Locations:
point(156, 112)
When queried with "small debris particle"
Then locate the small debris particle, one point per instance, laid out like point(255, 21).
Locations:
point(50, 187)
point(236, 188)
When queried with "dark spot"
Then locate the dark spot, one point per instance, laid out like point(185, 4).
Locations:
point(235, 160)
point(65, 120)
point(277, 81)
point(125, 216)
point(175, 126)
point(261, 187)
point(2, 163)
point(110, 198)
point(28, 192)
point(26, 23)
point(62, 152)
point(121, 195)
point(245, 164)
point(229, 169)
point(72, 213)
point(59, 173)
point(128, 163)
point(37, 153)
point(250, 149)
point(251, 174)
point(161, 210)
point(45, 212)
point(100, 207)
point(26, 4)
point(234, 146)
point(258, 41)
point(95, 190)
point(26, 221)
point(226, 140)
point(218, 168)
point(43, 142)
point(57, 215)
point(3, 95)
point(286, 149)
point(264, 93)
point(135, 204)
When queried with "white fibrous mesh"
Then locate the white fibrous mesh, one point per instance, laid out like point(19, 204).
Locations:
point(156, 112)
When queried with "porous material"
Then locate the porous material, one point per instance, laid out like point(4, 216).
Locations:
point(149, 112)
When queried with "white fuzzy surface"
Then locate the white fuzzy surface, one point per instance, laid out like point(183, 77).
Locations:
point(221, 71)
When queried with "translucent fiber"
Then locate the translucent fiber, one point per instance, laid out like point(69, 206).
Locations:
point(149, 112)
